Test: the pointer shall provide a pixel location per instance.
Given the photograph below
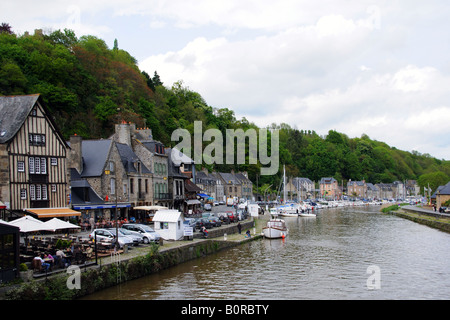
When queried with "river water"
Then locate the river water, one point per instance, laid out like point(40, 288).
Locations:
point(344, 253)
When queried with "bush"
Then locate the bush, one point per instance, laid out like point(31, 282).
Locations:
point(390, 208)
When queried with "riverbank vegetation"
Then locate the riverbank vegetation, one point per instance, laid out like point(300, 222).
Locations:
point(89, 87)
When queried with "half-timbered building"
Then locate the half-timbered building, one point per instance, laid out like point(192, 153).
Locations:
point(33, 172)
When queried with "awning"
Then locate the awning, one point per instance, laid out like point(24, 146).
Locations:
point(53, 212)
point(202, 195)
point(190, 202)
point(100, 206)
point(149, 208)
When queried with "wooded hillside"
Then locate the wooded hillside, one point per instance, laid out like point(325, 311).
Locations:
point(89, 87)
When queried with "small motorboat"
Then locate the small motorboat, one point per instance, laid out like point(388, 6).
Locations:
point(276, 228)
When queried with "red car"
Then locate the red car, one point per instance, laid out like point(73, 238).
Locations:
point(232, 216)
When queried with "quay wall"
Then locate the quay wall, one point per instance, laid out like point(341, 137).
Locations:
point(426, 217)
point(111, 273)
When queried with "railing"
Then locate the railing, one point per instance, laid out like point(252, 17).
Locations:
point(163, 196)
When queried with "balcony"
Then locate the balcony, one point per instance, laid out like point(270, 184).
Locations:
point(163, 196)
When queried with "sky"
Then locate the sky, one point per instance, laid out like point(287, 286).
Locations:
point(380, 68)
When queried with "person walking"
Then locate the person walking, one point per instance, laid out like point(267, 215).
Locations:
point(239, 227)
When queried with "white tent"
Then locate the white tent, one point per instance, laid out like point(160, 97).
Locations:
point(27, 224)
point(57, 224)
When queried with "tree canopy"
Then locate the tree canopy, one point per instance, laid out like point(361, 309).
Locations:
point(89, 87)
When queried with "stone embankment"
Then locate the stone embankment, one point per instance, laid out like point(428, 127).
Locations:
point(425, 216)
point(136, 263)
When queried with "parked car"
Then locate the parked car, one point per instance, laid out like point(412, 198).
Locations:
point(224, 217)
point(216, 203)
point(232, 216)
point(444, 209)
point(202, 222)
point(215, 221)
point(136, 236)
point(207, 207)
point(190, 222)
point(147, 232)
point(109, 235)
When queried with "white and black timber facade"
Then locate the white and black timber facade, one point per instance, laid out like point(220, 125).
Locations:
point(33, 170)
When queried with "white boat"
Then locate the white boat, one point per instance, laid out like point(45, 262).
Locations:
point(273, 212)
point(289, 210)
point(275, 229)
point(307, 214)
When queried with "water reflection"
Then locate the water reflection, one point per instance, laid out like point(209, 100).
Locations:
point(322, 258)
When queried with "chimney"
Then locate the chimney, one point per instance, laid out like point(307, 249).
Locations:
point(76, 154)
point(124, 132)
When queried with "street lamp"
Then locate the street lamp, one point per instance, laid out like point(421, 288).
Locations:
point(108, 172)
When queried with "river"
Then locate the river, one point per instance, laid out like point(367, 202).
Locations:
point(344, 253)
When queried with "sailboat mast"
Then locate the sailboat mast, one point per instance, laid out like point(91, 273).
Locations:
point(284, 184)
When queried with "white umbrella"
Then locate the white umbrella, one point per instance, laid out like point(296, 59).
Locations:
point(28, 224)
point(56, 224)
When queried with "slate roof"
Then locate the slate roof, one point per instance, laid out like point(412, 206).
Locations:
point(173, 169)
point(13, 112)
point(229, 178)
point(327, 180)
point(79, 186)
point(242, 178)
point(129, 158)
point(95, 153)
point(443, 190)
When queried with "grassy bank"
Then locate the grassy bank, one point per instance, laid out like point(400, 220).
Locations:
point(436, 222)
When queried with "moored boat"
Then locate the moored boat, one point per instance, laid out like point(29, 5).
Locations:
point(275, 229)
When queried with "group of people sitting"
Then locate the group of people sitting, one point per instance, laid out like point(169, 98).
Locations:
point(47, 261)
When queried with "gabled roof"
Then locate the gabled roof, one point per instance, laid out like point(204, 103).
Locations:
point(242, 178)
point(179, 157)
point(229, 178)
point(167, 216)
point(95, 153)
point(327, 180)
point(443, 190)
point(174, 169)
point(129, 158)
point(13, 112)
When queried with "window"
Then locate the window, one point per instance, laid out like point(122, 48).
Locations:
point(23, 194)
point(36, 139)
point(43, 166)
point(38, 192)
point(44, 192)
point(113, 186)
point(54, 161)
point(32, 192)
point(21, 166)
point(37, 165)
point(31, 164)
point(53, 187)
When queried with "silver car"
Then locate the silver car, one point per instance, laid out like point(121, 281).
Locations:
point(109, 235)
point(136, 236)
point(147, 232)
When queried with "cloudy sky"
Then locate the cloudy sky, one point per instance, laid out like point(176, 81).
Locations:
point(380, 68)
